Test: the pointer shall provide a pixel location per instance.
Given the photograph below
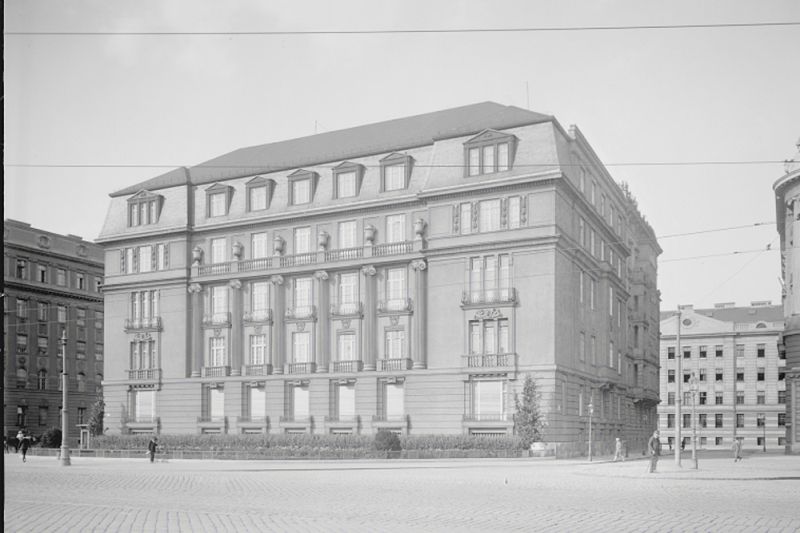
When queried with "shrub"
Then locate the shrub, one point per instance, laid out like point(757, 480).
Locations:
point(51, 438)
point(386, 441)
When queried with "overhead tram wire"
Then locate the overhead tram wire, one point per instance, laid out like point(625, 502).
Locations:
point(345, 32)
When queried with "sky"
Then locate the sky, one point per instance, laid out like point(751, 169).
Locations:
point(86, 115)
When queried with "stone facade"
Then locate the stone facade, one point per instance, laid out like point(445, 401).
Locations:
point(52, 284)
point(787, 208)
point(402, 275)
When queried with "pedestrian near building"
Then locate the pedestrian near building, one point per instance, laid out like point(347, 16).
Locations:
point(24, 445)
point(737, 450)
point(152, 447)
point(654, 448)
point(618, 453)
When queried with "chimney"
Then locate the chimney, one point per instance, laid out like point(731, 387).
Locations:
point(725, 305)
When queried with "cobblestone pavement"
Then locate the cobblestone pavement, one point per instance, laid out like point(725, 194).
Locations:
point(132, 495)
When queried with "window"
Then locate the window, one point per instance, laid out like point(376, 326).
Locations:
point(761, 398)
point(687, 352)
point(144, 307)
point(347, 347)
point(396, 286)
point(489, 215)
point(258, 245)
point(145, 258)
point(41, 382)
point(394, 177)
point(259, 193)
point(81, 382)
point(62, 314)
point(489, 152)
point(258, 349)
point(718, 350)
point(465, 218)
point(219, 303)
point(347, 235)
point(162, 256)
point(670, 420)
point(703, 420)
point(592, 293)
point(394, 400)
point(670, 376)
point(514, 212)
point(395, 228)
point(781, 376)
point(144, 208)
point(489, 337)
point(216, 353)
point(41, 273)
point(301, 191)
point(346, 401)
point(348, 292)
point(218, 251)
point(302, 296)
point(217, 204)
point(718, 441)
point(740, 374)
point(686, 377)
point(22, 269)
point(582, 347)
point(703, 352)
point(594, 350)
point(718, 420)
point(258, 403)
point(300, 402)
point(395, 344)
point(703, 397)
point(259, 305)
point(670, 398)
point(22, 342)
point(61, 277)
point(670, 352)
point(43, 345)
point(781, 419)
point(43, 415)
point(301, 347)
point(760, 375)
point(702, 375)
point(739, 398)
point(739, 350)
point(760, 350)
point(80, 281)
point(302, 240)
point(41, 311)
point(739, 420)
point(216, 404)
point(760, 420)
point(488, 400)
point(718, 374)
point(687, 420)
point(718, 398)
point(781, 396)
point(142, 355)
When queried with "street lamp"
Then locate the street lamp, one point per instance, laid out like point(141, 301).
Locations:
point(64, 382)
point(693, 386)
point(763, 423)
point(591, 412)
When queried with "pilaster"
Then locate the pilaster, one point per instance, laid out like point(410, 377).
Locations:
point(322, 355)
point(370, 323)
point(278, 330)
point(196, 292)
point(419, 333)
point(236, 327)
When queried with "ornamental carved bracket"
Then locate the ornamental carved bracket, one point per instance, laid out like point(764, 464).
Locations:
point(488, 314)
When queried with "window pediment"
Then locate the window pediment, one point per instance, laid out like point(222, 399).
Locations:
point(392, 176)
point(489, 136)
point(347, 179)
point(299, 194)
point(488, 152)
point(218, 200)
point(259, 193)
point(144, 195)
point(144, 208)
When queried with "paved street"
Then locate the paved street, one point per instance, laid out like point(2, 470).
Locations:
point(131, 495)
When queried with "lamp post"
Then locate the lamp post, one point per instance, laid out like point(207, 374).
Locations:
point(591, 412)
point(678, 391)
point(694, 387)
point(763, 423)
point(64, 382)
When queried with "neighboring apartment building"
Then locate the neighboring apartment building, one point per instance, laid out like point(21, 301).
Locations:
point(733, 354)
point(403, 275)
point(787, 208)
point(52, 284)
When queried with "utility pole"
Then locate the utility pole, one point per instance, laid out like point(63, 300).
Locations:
point(591, 412)
point(64, 383)
point(694, 388)
point(678, 392)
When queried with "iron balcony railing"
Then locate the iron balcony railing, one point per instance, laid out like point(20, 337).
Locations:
point(259, 315)
point(347, 309)
point(143, 323)
point(299, 313)
point(394, 364)
point(489, 296)
point(395, 304)
point(489, 360)
point(144, 374)
point(217, 319)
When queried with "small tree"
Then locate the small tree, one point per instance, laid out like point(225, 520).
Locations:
point(386, 440)
point(96, 415)
point(51, 438)
point(528, 419)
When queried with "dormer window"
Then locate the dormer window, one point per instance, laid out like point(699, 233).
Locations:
point(259, 193)
point(347, 180)
point(144, 208)
point(489, 152)
point(302, 185)
point(395, 172)
point(218, 200)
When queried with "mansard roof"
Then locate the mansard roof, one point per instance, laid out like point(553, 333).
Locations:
point(388, 136)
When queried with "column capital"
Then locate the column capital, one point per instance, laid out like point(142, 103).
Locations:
point(277, 279)
point(321, 275)
point(194, 288)
point(368, 270)
point(235, 284)
point(419, 264)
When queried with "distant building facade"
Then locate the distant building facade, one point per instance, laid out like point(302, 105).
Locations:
point(402, 275)
point(787, 207)
point(52, 284)
point(733, 354)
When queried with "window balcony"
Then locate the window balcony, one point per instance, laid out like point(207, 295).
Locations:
point(144, 374)
point(217, 319)
point(498, 360)
point(143, 324)
point(301, 313)
point(506, 296)
point(395, 305)
point(259, 316)
point(345, 254)
point(394, 364)
point(216, 371)
point(346, 366)
point(392, 248)
point(258, 370)
point(301, 368)
point(347, 309)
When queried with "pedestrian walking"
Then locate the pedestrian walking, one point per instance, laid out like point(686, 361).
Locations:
point(152, 446)
point(618, 455)
point(654, 448)
point(24, 445)
point(737, 450)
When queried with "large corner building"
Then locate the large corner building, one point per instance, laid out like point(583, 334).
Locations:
point(787, 208)
point(52, 285)
point(402, 275)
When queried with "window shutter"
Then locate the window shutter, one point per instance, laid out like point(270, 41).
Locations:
point(166, 255)
point(153, 258)
point(136, 259)
point(122, 261)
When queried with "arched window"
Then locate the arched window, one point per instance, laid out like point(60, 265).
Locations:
point(81, 382)
point(42, 382)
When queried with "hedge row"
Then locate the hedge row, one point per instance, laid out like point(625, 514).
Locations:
point(303, 444)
